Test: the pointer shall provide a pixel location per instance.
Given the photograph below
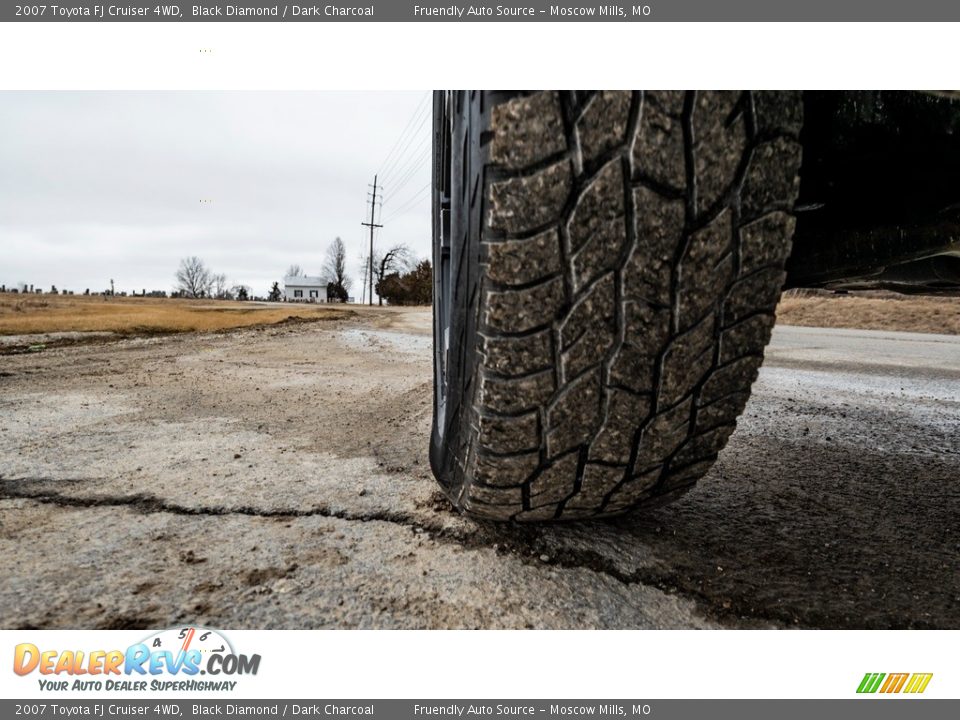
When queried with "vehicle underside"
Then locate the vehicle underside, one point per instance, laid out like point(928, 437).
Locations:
point(879, 204)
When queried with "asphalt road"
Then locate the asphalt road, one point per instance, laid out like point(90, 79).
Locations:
point(278, 478)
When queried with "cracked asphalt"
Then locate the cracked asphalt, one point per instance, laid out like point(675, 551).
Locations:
point(278, 478)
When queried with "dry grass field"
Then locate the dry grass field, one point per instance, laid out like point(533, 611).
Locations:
point(126, 316)
point(30, 314)
point(871, 311)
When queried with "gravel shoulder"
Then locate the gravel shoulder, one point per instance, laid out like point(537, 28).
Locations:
point(277, 477)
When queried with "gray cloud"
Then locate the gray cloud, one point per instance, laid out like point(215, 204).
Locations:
point(101, 185)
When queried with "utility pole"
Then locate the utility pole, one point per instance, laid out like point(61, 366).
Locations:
point(363, 285)
point(371, 225)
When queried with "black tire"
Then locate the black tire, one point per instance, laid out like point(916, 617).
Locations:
point(607, 265)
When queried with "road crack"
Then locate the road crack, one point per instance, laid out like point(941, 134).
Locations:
point(147, 503)
point(525, 543)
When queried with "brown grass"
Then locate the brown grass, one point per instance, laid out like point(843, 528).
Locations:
point(871, 311)
point(27, 314)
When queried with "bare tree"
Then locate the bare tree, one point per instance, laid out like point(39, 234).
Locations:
point(295, 271)
point(194, 279)
point(221, 290)
point(334, 269)
point(397, 259)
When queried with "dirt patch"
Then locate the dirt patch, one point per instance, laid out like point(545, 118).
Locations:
point(870, 310)
point(278, 477)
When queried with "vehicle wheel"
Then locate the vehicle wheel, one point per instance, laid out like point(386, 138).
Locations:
point(607, 265)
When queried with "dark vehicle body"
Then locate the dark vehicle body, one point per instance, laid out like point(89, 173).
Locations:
point(879, 203)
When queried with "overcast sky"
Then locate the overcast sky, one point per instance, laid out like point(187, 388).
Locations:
point(101, 185)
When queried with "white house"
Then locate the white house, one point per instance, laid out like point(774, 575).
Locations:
point(304, 288)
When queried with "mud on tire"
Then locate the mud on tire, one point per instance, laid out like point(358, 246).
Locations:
point(607, 266)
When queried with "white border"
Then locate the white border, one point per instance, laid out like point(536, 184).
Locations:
point(380, 56)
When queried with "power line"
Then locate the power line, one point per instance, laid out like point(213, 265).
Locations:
point(401, 157)
point(409, 202)
point(390, 161)
point(410, 121)
point(406, 156)
point(411, 156)
point(412, 168)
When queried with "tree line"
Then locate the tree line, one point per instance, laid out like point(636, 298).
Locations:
point(196, 280)
point(413, 287)
point(399, 278)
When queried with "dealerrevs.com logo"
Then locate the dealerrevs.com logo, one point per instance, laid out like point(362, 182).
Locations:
point(181, 653)
point(912, 683)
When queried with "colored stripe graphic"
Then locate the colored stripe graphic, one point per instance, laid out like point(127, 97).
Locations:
point(894, 683)
point(870, 682)
point(918, 682)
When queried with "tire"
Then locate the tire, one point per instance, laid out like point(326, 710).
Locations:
point(607, 266)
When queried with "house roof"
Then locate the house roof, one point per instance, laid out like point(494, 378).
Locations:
point(307, 281)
